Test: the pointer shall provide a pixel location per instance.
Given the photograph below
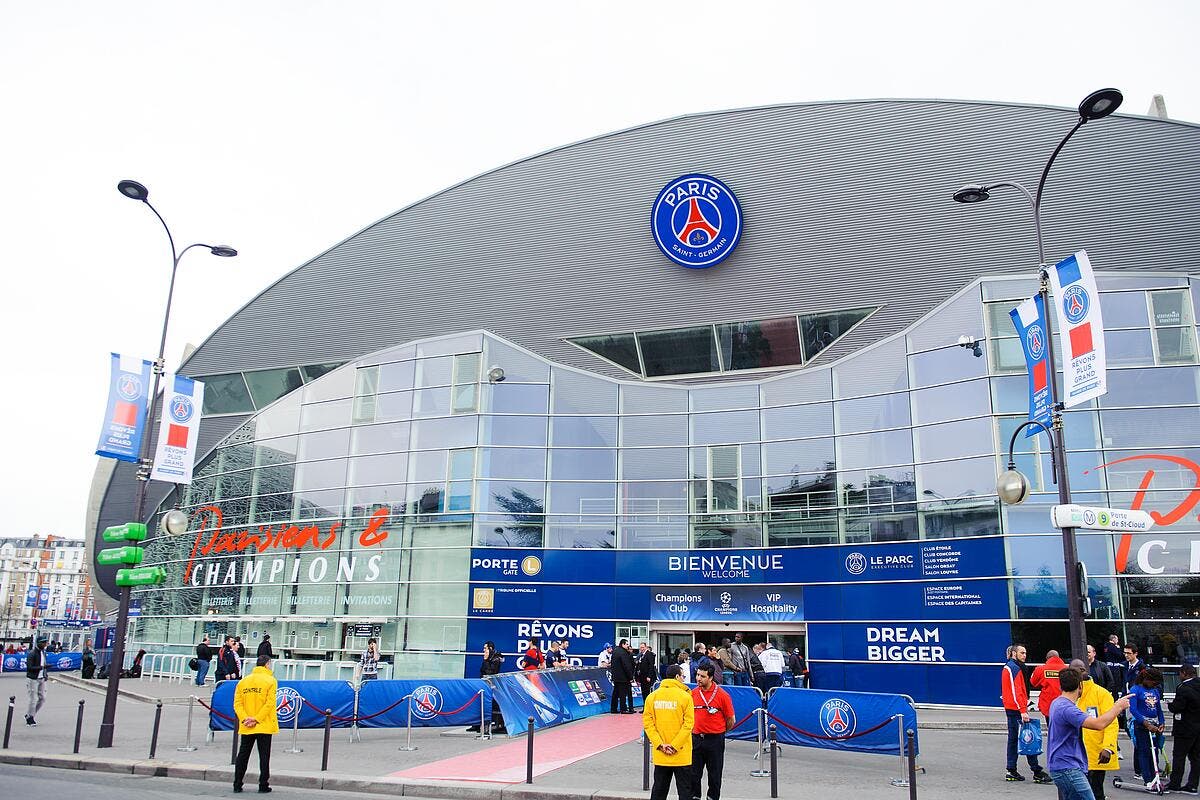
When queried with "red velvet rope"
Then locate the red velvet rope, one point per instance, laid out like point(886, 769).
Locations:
point(743, 719)
point(214, 711)
point(830, 738)
point(460, 709)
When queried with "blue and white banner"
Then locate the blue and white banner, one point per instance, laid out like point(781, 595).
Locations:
point(435, 703)
point(1030, 321)
point(175, 455)
point(338, 696)
point(36, 597)
point(55, 662)
point(553, 696)
point(731, 603)
point(125, 417)
point(1081, 329)
point(816, 718)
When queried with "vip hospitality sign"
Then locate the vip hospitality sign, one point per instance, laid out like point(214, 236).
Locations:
point(1082, 329)
point(125, 417)
point(180, 428)
point(732, 603)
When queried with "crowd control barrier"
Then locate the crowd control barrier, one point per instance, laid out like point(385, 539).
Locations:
point(56, 662)
point(857, 722)
point(553, 696)
point(308, 699)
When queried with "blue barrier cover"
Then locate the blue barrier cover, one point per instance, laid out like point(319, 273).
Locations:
point(289, 700)
point(432, 699)
point(745, 700)
point(57, 662)
point(831, 713)
point(553, 696)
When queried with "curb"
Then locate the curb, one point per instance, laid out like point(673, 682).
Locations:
point(102, 689)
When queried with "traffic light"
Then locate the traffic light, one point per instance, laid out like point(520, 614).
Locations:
point(129, 555)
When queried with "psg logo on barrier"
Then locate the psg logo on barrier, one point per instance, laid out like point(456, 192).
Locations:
point(10, 662)
point(838, 717)
point(696, 221)
point(181, 408)
point(426, 701)
point(65, 663)
point(856, 563)
point(287, 703)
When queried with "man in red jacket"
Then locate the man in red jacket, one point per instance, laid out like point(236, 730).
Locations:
point(1045, 678)
point(1014, 694)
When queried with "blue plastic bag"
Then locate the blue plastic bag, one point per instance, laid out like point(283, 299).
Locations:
point(1029, 738)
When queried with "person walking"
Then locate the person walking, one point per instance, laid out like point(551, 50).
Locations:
point(799, 667)
point(1045, 678)
point(203, 657)
point(772, 667)
point(645, 669)
point(739, 654)
point(713, 708)
point(88, 665)
point(35, 680)
point(264, 647)
point(1186, 731)
point(623, 673)
point(1014, 695)
point(1148, 720)
point(668, 719)
point(1101, 745)
point(369, 661)
point(254, 705)
point(227, 662)
point(1066, 758)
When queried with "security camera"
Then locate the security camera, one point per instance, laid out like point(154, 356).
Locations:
point(966, 341)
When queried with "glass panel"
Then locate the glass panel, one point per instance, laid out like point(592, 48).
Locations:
point(491, 534)
point(867, 450)
point(321, 474)
point(225, 394)
point(389, 438)
point(962, 518)
point(726, 426)
point(1128, 348)
point(521, 501)
point(1124, 309)
point(577, 393)
point(654, 497)
point(731, 534)
point(458, 496)
point(462, 465)
point(521, 431)
point(872, 413)
point(800, 387)
point(721, 398)
point(1151, 428)
point(600, 533)
point(466, 368)
point(427, 466)
point(317, 416)
point(1176, 345)
point(313, 371)
point(999, 320)
point(648, 399)
point(586, 465)
point(809, 455)
point(435, 371)
point(431, 402)
point(659, 533)
point(641, 431)
point(518, 366)
point(679, 352)
point(1010, 395)
point(880, 490)
point(583, 498)
point(945, 365)
point(449, 432)
point(391, 468)
point(883, 368)
point(397, 376)
point(1007, 355)
point(466, 399)
point(789, 422)
point(331, 387)
point(1168, 474)
point(366, 381)
point(326, 444)
point(954, 440)
point(516, 398)
point(762, 343)
point(267, 386)
point(513, 463)
point(617, 348)
point(391, 406)
point(1151, 387)
point(654, 463)
point(968, 477)
point(882, 528)
point(588, 431)
point(953, 401)
point(821, 330)
point(1171, 307)
point(1008, 288)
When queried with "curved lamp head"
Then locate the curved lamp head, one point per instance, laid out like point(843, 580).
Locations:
point(223, 251)
point(971, 193)
point(1100, 104)
point(133, 190)
point(175, 522)
point(495, 375)
point(1013, 487)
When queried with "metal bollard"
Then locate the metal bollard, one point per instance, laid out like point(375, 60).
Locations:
point(912, 764)
point(760, 719)
point(12, 703)
point(325, 752)
point(774, 764)
point(187, 745)
point(645, 762)
point(295, 748)
point(529, 752)
point(355, 736)
point(78, 727)
point(233, 752)
point(408, 745)
point(901, 781)
point(154, 731)
point(485, 727)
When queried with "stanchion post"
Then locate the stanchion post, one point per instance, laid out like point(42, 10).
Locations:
point(295, 748)
point(529, 752)
point(774, 763)
point(78, 727)
point(234, 746)
point(12, 703)
point(912, 764)
point(645, 762)
point(325, 750)
point(901, 781)
point(154, 730)
point(485, 727)
point(354, 733)
point(187, 743)
point(760, 721)
point(408, 745)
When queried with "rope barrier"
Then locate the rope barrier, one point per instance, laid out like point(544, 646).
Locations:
point(738, 724)
point(458, 710)
point(218, 713)
point(846, 738)
point(321, 711)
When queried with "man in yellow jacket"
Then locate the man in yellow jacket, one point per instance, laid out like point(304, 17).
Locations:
point(1094, 700)
point(668, 717)
point(254, 705)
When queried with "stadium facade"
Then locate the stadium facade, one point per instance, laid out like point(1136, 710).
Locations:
point(511, 412)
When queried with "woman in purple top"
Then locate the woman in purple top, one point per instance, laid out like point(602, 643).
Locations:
point(1147, 713)
point(1066, 759)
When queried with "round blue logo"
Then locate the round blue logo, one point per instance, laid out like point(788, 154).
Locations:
point(696, 221)
point(838, 718)
point(181, 408)
point(1076, 303)
point(1035, 339)
point(287, 703)
point(856, 563)
point(129, 387)
point(426, 701)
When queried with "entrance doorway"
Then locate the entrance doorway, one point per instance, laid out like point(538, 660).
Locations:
point(668, 640)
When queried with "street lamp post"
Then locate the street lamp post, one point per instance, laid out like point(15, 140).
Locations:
point(176, 522)
point(1097, 105)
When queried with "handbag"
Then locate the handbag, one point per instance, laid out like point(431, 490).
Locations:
point(1029, 738)
point(194, 664)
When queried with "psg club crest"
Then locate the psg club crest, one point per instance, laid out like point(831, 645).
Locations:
point(1075, 303)
point(129, 387)
point(181, 408)
point(856, 563)
point(1036, 340)
point(287, 703)
point(838, 718)
point(696, 221)
point(426, 701)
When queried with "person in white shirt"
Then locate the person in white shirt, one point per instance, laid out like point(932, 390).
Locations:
point(605, 657)
point(773, 663)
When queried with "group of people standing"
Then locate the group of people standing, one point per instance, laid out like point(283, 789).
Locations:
point(687, 731)
point(735, 663)
point(1085, 703)
point(230, 657)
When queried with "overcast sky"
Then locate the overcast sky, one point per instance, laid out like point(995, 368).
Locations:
point(281, 128)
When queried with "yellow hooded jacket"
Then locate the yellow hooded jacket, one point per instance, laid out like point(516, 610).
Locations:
point(669, 717)
point(1094, 701)
point(255, 697)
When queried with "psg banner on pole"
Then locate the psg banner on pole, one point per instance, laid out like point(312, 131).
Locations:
point(1030, 321)
point(1081, 329)
point(176, 452)
point(857, 722)
point(125, 417)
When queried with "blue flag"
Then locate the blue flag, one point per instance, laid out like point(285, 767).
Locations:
point(1030, 321)
point(125, 418)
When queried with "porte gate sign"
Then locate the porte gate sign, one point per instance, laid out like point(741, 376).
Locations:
point(1099, 519)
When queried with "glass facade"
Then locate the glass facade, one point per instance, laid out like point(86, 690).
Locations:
point(379, 491)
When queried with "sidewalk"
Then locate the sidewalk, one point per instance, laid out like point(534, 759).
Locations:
point(961, 749)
